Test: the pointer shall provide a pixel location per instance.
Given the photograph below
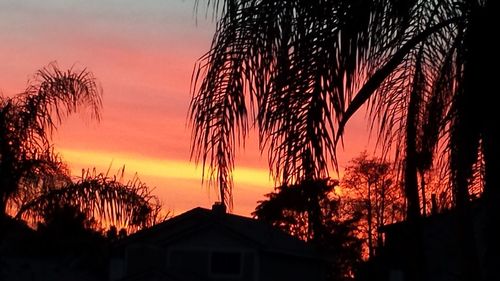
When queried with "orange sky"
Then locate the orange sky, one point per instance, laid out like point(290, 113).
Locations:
point(143, 53)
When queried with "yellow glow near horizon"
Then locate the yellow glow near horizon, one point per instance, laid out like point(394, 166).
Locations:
point(154, 167)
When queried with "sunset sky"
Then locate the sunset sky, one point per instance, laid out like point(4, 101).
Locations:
point(142, 53)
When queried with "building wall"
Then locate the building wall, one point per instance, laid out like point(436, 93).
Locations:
point(191, 256)
point(441, 245)
point(274, 266)
point(202, 255)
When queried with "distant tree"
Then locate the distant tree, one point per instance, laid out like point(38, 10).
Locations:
point(370, 186)
point(112, 234)
point(67, 221)
point(310, 211)
point(27, 121)
point(106, 201)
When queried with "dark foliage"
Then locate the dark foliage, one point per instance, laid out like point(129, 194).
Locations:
point(369, 188)
point(27, 121)
point(299, 70)
point(108, 201)
point(310, 212)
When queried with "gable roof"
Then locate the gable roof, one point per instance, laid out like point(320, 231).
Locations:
point(264, 236)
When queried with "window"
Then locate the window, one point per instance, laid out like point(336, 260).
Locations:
point(189, 260)
point(143, 257)
point(225, 263)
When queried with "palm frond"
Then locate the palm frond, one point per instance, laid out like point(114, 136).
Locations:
point(302, 69)
point(28, 120)
point(55, 94)
point(297, 58)
point(105, 199)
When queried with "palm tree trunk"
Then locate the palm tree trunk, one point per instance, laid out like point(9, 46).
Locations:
point(416, 254)
point(491, 198)
point(410, 171)
point(491, 143)
point(473, 102)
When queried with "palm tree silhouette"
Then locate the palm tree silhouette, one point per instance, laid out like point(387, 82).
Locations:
point(107, 200)
point(302, 69)
point(28, 119)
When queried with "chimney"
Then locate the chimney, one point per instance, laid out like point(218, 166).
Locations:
point(219, 208)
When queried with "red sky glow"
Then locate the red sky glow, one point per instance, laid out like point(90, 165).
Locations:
point(142, 53)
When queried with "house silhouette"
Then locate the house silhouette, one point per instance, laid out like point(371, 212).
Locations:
point(204, 244)
point(440, 245)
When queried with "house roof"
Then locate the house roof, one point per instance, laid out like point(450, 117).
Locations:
point(264, 236)
point(445, 216)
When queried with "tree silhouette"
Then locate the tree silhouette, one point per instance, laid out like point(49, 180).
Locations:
point(370, 187)
point(310, 211)
point(301, 65)
point(65, 233)
point(107, 201)
point(27, 121)
point(302, 69)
